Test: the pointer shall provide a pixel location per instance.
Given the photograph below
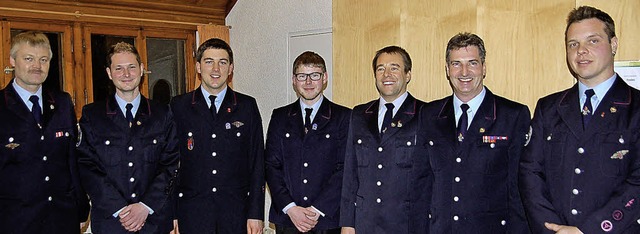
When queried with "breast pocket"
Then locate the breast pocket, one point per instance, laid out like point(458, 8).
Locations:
point(490, 157)
point(615, 152)
point(153, 148)
point(438, 151)
point(555, 142)
point(109, 149)
point(404, 147)
point(363, 146)
point(14, 146)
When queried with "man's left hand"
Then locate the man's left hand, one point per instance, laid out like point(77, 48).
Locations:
point(562, 229)
point(254, 226)
point(133, 216)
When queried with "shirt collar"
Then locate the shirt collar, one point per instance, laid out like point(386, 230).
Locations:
point(315, 106)
point(25, 95)
point(600, 90)
point(123, 104)
point(474, 104)
point(396, 104)
point(219, 97)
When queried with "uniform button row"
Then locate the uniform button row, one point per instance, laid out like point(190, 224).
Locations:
point(458, 160)
point(130, 164)
point(305, 165)
point(44, 158)
point(213, 136)
point(304, 181)
point(132, 179)
point(575, 192)
point(214, 154)
point(46, 178)
point(457, 179)
point(456, 199)
point(214, 172)
point(574, 212)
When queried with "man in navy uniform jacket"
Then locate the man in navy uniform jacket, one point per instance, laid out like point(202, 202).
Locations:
point(40, 190)
point(474, 142)
point(305, 154)
point(386, 184)
point(222, 151)
point(581, 170)
point(128, 156)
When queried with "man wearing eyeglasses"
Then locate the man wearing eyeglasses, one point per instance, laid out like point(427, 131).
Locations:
point(386, 186)
point(305, 154)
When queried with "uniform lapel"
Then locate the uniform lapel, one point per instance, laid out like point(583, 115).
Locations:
point(115, 114)
point(228, 107)
point(142, 115)
point(615, 102)
point(569, 110)
point(200, 107)
point(16, 105)
point(48, 107)
point(446, 121)
point(484, 119)
point(371, 118)
point(323, 116)
point(294, 119)
point(404, 115)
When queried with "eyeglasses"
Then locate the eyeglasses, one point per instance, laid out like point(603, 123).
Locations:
point(315, 76)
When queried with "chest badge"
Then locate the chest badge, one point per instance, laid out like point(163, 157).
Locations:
point(237, 124)
point(620, 154)
point(190, 143)
point(12, 145)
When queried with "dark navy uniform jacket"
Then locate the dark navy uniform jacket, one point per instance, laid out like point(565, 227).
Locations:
point(222, 163)
point(121, 165)
point(306, 168)
point(40, 190)
point(386, 186)
point(475, 186)
point(585, 178)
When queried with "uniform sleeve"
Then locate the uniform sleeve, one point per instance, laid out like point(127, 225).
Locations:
point(93, 173)
point(532, 178)
point(349, 181)
point(274, 165)
point(517, 219)
point(328, 200)
point(162, 184)
point(256, 152)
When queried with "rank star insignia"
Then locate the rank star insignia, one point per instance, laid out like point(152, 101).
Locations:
point(237, 124)
point(482, 130)
point(12, 145)
point(620, 154)
point(613, 109)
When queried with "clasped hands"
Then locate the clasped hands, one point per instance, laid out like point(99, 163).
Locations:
point(133, 217)
point(303, 218)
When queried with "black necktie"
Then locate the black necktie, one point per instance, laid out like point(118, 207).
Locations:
point(307, 119)
point(587, 109)
point(129, 114)
point(386, 122)
point(463, 122)
point(212, 108)
point(36, 111)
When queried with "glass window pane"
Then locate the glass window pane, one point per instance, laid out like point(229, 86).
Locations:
point(100, 45)
point(167, 65)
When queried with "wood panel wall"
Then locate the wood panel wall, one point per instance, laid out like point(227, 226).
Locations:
point(524, 42)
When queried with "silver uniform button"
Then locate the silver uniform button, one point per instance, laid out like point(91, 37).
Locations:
point(44, 158)
point(378, 200)
point(10, 139)
point(180, 194)
point(621, 140)
point(214, 189)
point(455, 218)
point(305, 198)
point(46, 178)
point(492, 145)
point(66, 134)
point(379, 166)
point(304, 181)
point(580, 150)
point(408, 143)
point(379, 183)
point(458, 160)
point(238, 134)
point(578, 171)
point(42, 138)
point(214, 154)
point(213, 136)
point(132, 179)
point(574, 211)
point(189, 134)
point(575, 192)
point(133, 195)
point(130, 148)
point(130, 164)
point(379, 149)
point(50, 198)
point(214, 172)
point(431, 143)
point(549, 138)
point(327, 136)
point(456, 199)
point(287, 135)
point(107, 142)
point(359, 141)
point(305, 165)
point(155, 141)
point(638, 221)
point(503, 222)
point(457, 179)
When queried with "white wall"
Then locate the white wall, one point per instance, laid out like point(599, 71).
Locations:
point(259, 34)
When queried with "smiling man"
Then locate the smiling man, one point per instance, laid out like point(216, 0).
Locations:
point(128, 153)
point(305, 154)
point(475, 139)
point(581, 170)
point(221, 187)
point(386, 181)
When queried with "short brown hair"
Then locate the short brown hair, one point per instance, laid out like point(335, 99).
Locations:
point(31, 38)
point(588, 12)
point(309, 58)
point(394, 50)
point(214, 43)
point(122, 47)
point(462, 40)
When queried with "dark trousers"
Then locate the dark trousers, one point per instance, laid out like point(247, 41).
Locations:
point(292, 230)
